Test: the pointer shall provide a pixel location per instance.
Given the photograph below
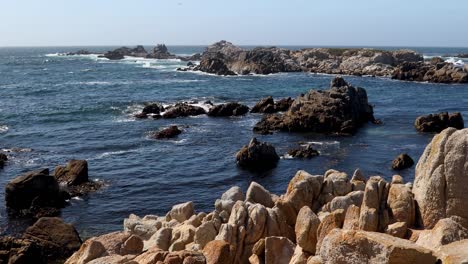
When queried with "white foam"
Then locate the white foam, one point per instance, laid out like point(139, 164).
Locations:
point(17, 150)
point(112, 153)
point(4, 129)
point(456, 63)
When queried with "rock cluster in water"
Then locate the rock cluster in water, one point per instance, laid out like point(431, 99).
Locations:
point(328, 218)
point(341, 109)
point(159, 52)
point(38, 193)
point(438, 122)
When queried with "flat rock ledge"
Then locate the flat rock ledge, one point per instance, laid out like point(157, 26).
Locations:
point(326, 218)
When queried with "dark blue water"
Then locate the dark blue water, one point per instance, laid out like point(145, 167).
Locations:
point(81, 107)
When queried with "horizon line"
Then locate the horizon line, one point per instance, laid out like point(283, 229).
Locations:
point(256, 45)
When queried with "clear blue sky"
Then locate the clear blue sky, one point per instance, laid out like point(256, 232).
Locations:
point(249, 22)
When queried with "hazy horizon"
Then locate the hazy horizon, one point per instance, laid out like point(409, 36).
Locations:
point(362, 23)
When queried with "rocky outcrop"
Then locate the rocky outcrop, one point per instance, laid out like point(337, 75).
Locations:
point(56, 239)
point(161, 52)
point(341, 109)
point(228, 109)
point(151, 109)
point(170, 132)
point(441, 177)
point(74, 176)
point(303, 152)
point(257, 156)
point(441, 72)
point(35, 193)
point(403, 161)
point(446, 231)
point(120, 53)
point(79, 52)
point(183, 110)
point(438, 122)
point(454, 253)
point(268, 105)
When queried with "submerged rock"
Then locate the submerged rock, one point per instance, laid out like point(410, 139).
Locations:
point(438, 122)
point(228, 109)
point(257, 156)
point(441, 178)
point(341, 109)
point(403, 161)
point(169, 132)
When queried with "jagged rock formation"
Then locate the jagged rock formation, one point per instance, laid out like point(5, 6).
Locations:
point(341, 109)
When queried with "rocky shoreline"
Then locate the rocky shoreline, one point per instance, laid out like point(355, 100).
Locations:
point(329, 218)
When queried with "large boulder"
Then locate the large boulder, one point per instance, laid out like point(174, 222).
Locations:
point(228, 109)
point(441, 177)
point(268, 105)
point(278, 250)
point(74, 176)
point(34, 189)
point(350, 246)
point(120, 243)
point(446, 231)
point(374, 214)
point(89, 250)
point(57, 239)
point(169, 132)
point(258, 194)
point(306, 227)
point(217, 252)
point(341, 109)
point(257, 156)
point(400, 202)
point(454, 253)
point(438, 122)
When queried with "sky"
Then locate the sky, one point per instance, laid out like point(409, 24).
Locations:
point(410, 23)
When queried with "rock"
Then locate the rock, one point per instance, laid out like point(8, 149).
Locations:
point(329, 222)
point(284, 104)
point(278, 250)
point(143, 227)
point(344, 202)
point(161, 52)
point(121, 243)
point(205, 233)
point(257, 156)
point(183, 110)
point(307, 224)
point(265, 105)
point(351, 221)
point(258, 194)
point(35, 189)
point(56, 239)
point(374, 214)
point(228, 109)
point(88, 251)
point(438, 122)
point(454, 253)
point(228, 199)
point(441, 72)
point(299, 256)
point(153, 108)
point(303, 152)
point(341, 109)
point(3, 160)
point(398, 229)
point(182, 212)
point(403, 161)
point(161, 239)
point(349, 246)
point(19, 251)
point(112, 259)
point(401, 207)
point(75, 172)
point(217, 251)
point(151, 256)
point(214, 65)
point(75, 177)
point(446, 231)
point(170, 132)
point(79, 52)
point(441, 177)
point(120, 53)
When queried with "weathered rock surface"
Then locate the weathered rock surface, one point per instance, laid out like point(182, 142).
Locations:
point(56, 239)
point(228, 109)
point(183, 110)
point(446, 231)
point(438, 122)
point(258, 194)
point(268, 105)
point(257, 156)
point(306, 227)
point(74, 176)
point(19, 251)
point(441, 176)
point(403, 161)
point(217, 251)
point(349, 246)
point(454, 253)
point(35, 191)
point(170, 132)
point(427, 72)
point(303, 152)
point(120, 53)
point(374, 214)
point(341, 109)
point(400, 203)
point(278, 250)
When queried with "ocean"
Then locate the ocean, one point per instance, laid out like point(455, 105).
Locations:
point(56, 108)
